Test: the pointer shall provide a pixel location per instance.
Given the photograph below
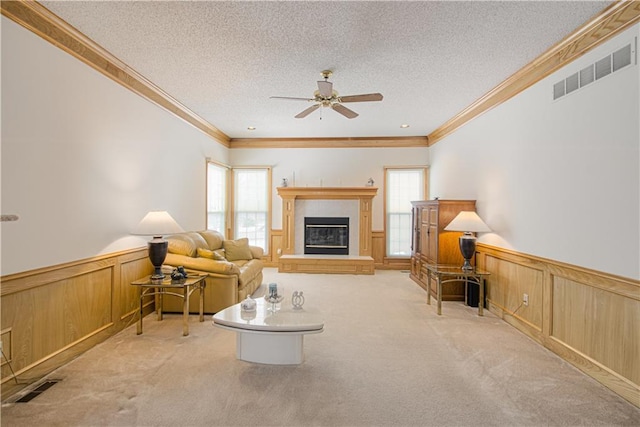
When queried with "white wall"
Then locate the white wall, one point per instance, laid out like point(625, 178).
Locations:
point(84, 159)
point(557, 179)
point(341, 167)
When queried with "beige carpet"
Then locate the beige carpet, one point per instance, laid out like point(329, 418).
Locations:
point(384, 359)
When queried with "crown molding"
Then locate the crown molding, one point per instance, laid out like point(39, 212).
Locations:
point(41, 21)
point(611, 21)
point(44, 23)
point(354, 142)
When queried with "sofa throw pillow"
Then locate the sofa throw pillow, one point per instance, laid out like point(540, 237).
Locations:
point(235, 250)
point(217, 255)
point(214, 239)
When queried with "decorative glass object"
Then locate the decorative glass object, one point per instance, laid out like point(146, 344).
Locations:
point(297, 300)
point(274, 295)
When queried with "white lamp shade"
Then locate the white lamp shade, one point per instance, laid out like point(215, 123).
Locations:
point(468, 221)
point(157, 223)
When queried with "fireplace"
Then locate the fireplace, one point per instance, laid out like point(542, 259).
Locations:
point(326, 235)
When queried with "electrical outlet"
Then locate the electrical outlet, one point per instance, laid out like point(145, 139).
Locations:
point(525, 299)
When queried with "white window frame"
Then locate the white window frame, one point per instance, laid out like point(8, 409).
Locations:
point(389, 233)
point(224, 200)
point(235, 232)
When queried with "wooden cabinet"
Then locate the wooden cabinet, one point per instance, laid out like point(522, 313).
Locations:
point(431, 244)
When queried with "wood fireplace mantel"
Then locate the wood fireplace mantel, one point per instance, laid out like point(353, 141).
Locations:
point(327, 193)
point(290, 194)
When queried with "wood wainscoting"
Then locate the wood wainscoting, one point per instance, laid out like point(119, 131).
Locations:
point(50, 315)
point(590, 319)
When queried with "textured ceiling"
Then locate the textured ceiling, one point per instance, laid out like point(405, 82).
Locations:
point(223, 60)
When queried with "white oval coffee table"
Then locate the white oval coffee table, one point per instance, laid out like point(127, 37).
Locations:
point(270, 337)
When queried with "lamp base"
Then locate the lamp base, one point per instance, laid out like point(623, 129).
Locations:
point(468, 249)
point(157, 254)
point(466, 266)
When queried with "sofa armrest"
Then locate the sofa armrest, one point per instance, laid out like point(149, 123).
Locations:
point(256, 252)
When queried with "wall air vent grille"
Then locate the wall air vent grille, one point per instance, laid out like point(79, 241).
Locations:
point(587, 75)
point(607, 65)
point(622, 58)
point(603, 67)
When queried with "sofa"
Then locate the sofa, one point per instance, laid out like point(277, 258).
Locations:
point(233, 268)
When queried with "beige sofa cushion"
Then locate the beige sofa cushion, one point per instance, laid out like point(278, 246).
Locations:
point(217, 255)
point(198, 240)
point(182, 244)
point(235, 250)
point(214, 239)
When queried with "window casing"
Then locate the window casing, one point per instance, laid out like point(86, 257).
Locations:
point(402, 186)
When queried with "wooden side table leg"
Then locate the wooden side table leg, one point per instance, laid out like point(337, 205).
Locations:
point(202, 285)
point(139, 328)
point(185, 311)
point(466, 290)
point(159, 302)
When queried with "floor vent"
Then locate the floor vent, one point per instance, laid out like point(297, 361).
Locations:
point(37, 391)
point(602, 68)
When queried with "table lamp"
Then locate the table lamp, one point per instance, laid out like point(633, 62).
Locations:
point(157, 224)
point(467, 222)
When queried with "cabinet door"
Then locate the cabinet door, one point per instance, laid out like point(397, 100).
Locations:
point(430, 220)
point(415, 230)
point(425, 238)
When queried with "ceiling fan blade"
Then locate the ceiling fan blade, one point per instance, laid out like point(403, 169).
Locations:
point(362, 98)
point(325, 88)
point(349, 114)
point(291, 99)
point(308, 111)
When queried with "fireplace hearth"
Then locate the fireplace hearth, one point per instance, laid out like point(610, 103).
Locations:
point(326, 235)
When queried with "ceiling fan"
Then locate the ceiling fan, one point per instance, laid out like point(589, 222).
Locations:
point(325, 96)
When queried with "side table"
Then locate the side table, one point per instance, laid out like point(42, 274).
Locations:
point(160, 288)
point(451, 273)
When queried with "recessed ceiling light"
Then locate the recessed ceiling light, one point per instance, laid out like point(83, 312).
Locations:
point(404, 126)
point(251, 128)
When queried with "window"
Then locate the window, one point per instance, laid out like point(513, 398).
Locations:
point(251, 205)
point(402, 186)
point(217, 197)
